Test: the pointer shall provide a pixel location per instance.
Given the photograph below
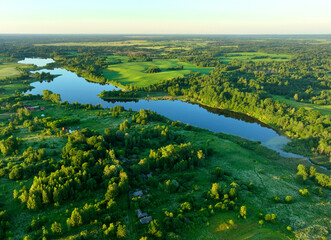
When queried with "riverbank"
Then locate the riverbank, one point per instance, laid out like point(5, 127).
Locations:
point(289, 147)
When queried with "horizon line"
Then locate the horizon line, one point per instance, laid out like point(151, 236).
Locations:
point(158, 34)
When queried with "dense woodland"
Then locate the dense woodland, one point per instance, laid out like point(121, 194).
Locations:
point(86, 172)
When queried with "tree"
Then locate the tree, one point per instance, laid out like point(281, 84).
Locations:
point(121, 231)
point(56, 228)
point(214, 191)
point(243, 212)
point(288, 199)
point(75, 219)
point(153, 229)
point(34, 201)
point(302, 174)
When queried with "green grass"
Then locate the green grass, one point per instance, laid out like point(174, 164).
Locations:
point(9, 70)
point(134, 72)
point(270, 177)
point(324, 109)
point(247, 56)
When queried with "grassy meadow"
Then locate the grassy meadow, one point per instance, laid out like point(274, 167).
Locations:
point(134, 73)
point(9, 69)
point(254, 56)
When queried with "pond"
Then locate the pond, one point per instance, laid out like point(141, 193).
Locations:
point(73, 88)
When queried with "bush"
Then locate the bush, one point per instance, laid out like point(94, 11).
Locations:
point(153, 69)
point(288, 199)
point(304, 192)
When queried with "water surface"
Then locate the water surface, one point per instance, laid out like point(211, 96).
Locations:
point(39, 62)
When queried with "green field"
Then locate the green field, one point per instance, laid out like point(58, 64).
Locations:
point(324, 109)
point(249, 56)
point(134, 72)
point(9, 69)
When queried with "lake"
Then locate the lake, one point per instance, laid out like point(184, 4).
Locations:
point(73, 88)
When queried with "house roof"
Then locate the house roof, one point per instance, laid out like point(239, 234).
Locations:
point(138, 193)
point(146, 220)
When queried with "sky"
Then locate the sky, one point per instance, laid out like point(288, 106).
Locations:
point(165, 16)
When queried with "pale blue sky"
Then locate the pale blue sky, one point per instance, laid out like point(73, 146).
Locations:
point(166, 16)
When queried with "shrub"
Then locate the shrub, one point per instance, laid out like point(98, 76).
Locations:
point(288, 199)
point(304, 192)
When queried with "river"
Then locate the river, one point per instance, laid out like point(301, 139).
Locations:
point(73, 88)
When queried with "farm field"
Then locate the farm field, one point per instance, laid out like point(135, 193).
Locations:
point(134, 73)
point(10, 69)
point(254, 56)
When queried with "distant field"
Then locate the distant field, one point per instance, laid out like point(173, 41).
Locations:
point(254, 56)
point(143, 44)
point(134, 73)
point(324, 109)
point(9, 69)
point(98, 44)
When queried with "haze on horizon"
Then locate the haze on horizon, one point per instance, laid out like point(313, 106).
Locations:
point(166, 17)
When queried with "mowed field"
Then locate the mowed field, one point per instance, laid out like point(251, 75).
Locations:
point(324, 109)
point(254, 56)
point(134, 73)
point(9, 70)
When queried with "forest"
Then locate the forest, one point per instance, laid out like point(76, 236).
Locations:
point(70, 170)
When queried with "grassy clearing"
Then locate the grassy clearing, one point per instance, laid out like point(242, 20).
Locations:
point(324, 109)
point(10, 70)
point(249, 56)
point(134, 72)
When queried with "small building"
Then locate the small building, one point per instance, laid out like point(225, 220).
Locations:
point(64, 128)
point(140, 214)
point(31, 109)
point(146, 220)
point(42, 115)
point(138, 193)
point(146, 176)
point(149, 175)
point(42, 108)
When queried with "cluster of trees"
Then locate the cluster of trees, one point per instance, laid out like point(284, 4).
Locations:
point(42, 76)
point(176, 157)
point(153, 69)
point(180, 67)
point(218, 90)
point(50, 96)
point(85, 65)
point(10, 145)
point(118, 94)
point(321, 179)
